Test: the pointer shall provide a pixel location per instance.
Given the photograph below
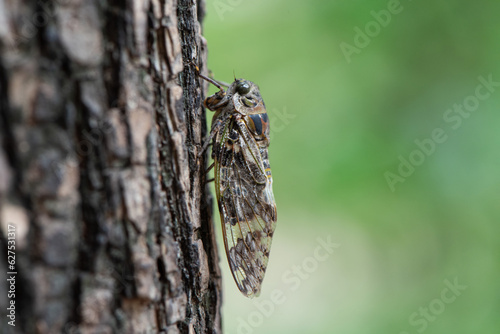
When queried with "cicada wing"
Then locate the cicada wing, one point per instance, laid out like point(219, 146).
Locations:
point(246, 206)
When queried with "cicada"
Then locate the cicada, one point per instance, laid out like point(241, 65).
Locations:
point(243, 181)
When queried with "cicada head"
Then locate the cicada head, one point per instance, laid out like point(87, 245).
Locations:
point(246, 97)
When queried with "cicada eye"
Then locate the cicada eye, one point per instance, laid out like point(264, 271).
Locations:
point(242, 87)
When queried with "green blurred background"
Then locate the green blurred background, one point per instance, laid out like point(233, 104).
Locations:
point(339, 124)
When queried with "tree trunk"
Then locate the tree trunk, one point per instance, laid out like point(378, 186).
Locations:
point(101, 191)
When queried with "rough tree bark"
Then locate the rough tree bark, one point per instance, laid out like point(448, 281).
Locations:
point(101, 123)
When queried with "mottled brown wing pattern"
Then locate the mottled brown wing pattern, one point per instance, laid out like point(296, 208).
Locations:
point(246, 204)
point(243, 181)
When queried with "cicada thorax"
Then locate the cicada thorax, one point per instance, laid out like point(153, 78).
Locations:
point(258, 124)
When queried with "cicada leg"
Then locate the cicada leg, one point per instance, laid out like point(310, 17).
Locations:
point(216, 128)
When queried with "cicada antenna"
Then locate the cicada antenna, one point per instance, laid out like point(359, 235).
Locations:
point(214, 82)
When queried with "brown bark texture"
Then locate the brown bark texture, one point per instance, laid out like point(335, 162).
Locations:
point(101, 124)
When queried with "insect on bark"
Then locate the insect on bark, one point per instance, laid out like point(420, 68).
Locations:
point(243, 181)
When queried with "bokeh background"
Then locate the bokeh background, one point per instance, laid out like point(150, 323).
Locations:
point(341, 121)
